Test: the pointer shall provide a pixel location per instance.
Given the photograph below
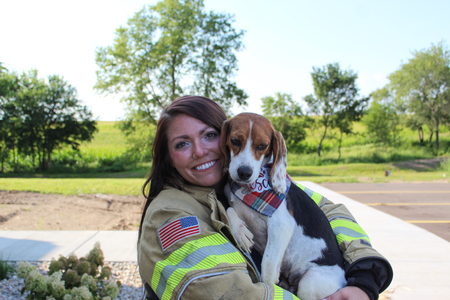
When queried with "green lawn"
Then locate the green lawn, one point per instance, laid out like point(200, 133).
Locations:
point(74, 186)
point(131, 183)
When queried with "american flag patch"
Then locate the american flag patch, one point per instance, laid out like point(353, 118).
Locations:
point(177, 230)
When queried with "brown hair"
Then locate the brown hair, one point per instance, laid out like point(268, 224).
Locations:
point(162, 172)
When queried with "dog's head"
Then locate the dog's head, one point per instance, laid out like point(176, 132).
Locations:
point(249, 141)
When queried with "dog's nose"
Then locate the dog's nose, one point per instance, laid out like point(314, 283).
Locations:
point(244, 172)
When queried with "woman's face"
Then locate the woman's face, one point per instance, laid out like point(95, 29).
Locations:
point(194, 149)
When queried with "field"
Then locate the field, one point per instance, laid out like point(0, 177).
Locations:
point(360, 161)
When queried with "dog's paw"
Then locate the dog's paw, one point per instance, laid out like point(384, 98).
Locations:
point(269, 276)
point(243, 236)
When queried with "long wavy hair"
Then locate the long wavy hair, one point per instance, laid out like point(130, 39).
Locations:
point(162, 172)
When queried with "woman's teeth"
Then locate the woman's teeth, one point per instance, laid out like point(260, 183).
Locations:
point(205, 166)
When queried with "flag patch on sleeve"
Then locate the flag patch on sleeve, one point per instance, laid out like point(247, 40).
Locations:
point(177, 230)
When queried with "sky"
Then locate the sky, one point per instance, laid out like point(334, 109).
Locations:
point(284, 40)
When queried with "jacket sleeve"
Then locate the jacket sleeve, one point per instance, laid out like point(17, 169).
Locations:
point(364, 266)
point(200, 266)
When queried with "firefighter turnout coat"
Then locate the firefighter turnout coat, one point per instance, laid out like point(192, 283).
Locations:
point(187, 249)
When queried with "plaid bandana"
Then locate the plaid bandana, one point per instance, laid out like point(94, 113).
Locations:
point(259, 195)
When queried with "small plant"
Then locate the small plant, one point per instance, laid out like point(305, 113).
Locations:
point(5, 268)
point(71, 279)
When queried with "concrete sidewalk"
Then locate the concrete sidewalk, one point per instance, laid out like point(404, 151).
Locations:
point(421, 260)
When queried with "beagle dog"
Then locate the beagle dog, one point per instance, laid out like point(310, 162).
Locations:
point(298, 247)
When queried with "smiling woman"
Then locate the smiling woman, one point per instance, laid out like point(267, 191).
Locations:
point(194, 150)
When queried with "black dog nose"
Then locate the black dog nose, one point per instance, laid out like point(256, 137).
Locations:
point(244, 172)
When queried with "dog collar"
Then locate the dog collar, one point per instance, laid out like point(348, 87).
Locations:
point(260, 195)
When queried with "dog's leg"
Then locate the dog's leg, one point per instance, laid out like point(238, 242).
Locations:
point(243, 236)
point(280, 229)
point(240, 230)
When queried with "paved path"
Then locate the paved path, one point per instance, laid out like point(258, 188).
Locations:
point(426, 205)
point(420, 259)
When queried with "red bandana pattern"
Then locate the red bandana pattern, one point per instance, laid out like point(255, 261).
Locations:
point(259, 195)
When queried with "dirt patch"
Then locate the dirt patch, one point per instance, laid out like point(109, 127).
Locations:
point(35, 211)
point(421, 164)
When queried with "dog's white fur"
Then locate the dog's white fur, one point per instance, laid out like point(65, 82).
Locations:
point(285, 248)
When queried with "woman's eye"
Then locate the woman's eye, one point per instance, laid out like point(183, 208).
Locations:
point(180, 145)
point(235, 142)
point(211, 134)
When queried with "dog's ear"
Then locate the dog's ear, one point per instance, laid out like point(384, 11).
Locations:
point(279, 154)
point(226, 127)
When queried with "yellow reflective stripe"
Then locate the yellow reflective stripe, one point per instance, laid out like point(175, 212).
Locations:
point(314, 195)
point(204, 253)
point(346, 230)
point(282, 294)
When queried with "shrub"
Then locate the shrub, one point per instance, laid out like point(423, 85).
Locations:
point(24, 269)
point(71, 279)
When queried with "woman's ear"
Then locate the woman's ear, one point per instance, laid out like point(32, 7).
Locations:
point(278, 172)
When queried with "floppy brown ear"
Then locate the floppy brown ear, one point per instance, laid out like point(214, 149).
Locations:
point(279, 154)
point(223, 140)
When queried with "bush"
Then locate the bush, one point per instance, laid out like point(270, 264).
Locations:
point(71, 279)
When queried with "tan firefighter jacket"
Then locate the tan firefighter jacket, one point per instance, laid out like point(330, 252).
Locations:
point(187, 249)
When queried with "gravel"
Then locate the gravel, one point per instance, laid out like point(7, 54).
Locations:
point(125, 272)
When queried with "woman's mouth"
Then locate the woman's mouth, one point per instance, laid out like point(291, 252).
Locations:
point(205, 165)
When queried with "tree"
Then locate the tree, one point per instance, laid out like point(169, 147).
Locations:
point(423, 84)
point(167, 50)
point(382, 120)
point(285, 113)
point(335, 97)
point(44, 115)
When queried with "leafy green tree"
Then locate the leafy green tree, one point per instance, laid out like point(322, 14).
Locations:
point(335, 98)
point(423, 85)
point(167, 50)
point(44, 115)
point(382, 120)
point(287, 117)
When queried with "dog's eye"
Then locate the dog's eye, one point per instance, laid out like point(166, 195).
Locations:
point(262, 147)
point(235, 142)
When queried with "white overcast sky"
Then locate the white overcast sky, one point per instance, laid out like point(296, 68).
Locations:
point(284, 39)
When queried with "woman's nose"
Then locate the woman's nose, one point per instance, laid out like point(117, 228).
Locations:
point(200, 150)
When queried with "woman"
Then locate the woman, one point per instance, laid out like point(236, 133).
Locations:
point(186, 248)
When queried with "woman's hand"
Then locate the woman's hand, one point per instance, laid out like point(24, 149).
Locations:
point(349, 293)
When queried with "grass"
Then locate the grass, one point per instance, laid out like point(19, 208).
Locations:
point(5, 268)
point(131, 183)
point(108, 141)
point(364, 173)
point(74, 186)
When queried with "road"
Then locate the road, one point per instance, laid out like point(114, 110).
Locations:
point(426, 205)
